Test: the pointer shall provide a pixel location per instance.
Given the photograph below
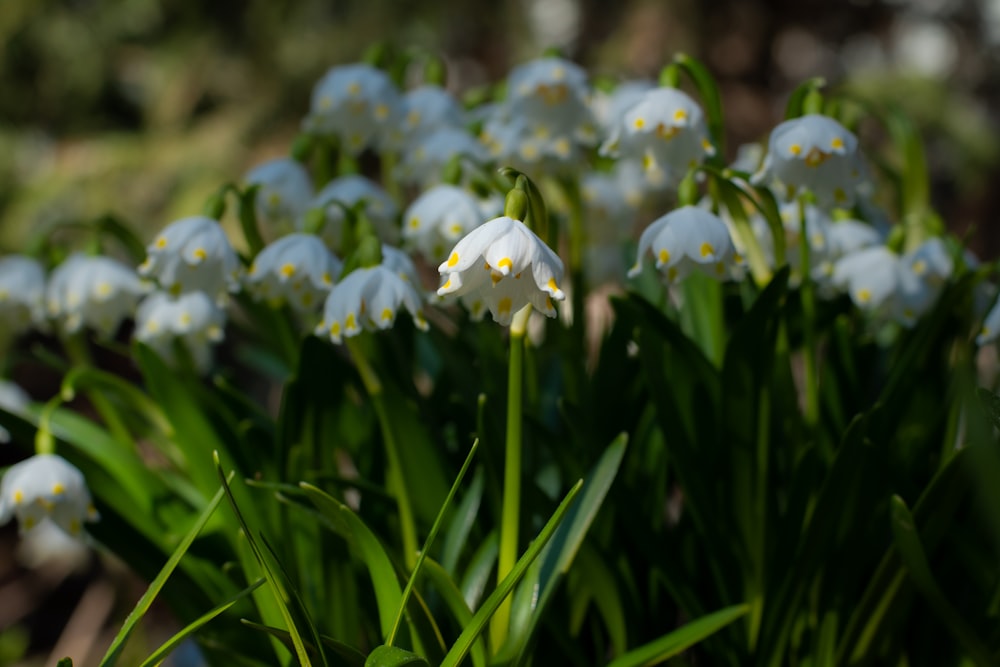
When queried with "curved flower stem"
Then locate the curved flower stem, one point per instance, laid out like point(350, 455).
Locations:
point(811, 378)
point(510, 518)
point(394, 476)
point(76, 348)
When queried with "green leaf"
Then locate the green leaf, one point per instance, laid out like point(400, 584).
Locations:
point(142, 606)
point(479, 620)
point(991, 405)
point(348, 655)
point(462, 521)
point(391, 656)
point(456, 604)
point(684, 637)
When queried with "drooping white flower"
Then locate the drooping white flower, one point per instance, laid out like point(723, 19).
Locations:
point(665, 131)
point(347, 191)
point(283, 194)
point(13, 399)
point(22, 290)
point(46, 486)
point(881, 283)
point(193, 255)
point(425, 109)
point(424, 160)
point(297, 269)
point(356, 103)
point(399, 262)
point(553, 93)
point(608, 108)
point(438, 218)
point(991, 326)
point(815, 153)
point(503, 266)
point(368, 298)
point(685, 240)
point(931, 262)
point(193, 317)
point(98, 292)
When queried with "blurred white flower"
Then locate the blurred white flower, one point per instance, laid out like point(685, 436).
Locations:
point(193, 255)
point(553, 93)
point(609, 108)
point(194, 318)
point(356, 103)
point(22, 290)
point(368, 298)
point(46, 486)
point(93, 291)
point(931, 262)
point(881, 283)
point(399, 262)
point(13, 399)
point(685, 240)
point(424, 160)
point(283, 194)
point(425, 109)
point(503, 266)
point(347, 191)
point(297, 269)
point(991, 326)
point(438, 218)
point(47, 544)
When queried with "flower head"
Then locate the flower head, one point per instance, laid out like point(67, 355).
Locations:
point(347, 191)
point(22, 290)
point(356, 103)
point(503, 266)
point(438, 218)
point(685, 240)
point(193, 255)
point(93, 291)
point(193, 317)
point(46, 486)
point(991, 326)
point(425, 158)
point(297, 269)
point(425, 109)
point(283, 193)
point(368, 298)
point(554, 93)
point(880, 282)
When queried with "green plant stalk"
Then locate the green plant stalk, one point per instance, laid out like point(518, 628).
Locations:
point(808, 293)
point(395, 477)
point(76, 348)
point(510, 517)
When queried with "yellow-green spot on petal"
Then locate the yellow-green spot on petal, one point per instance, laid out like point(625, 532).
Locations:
point(680, 115)
point(795, 149)
point(185, 319)
point(455, 229)
point(199, 253)
point(58, 489)
point(672, 274)
point(414, 223)
point(74, 526)
point(103, 289)
point(413, 117)
point(387, 314)
point(706, 249)
point(354, 88)
point(505, 263)
point(447, 284)
point(919, 267)
point(503, 307)
point(639, 123)
point(350, 323)
point(381, 112)
point(864, 295)
point(839, 195)
point(335, 328)
point(663, 256)
point(18, 497)
point(837, 143)
point(287, 270)
point(720, 269)
point(161, 242)
point(327, 278)
point(453, 259)
point(29, 523)
point(552, 285)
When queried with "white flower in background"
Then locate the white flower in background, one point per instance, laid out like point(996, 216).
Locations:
point(608, 108)
point(425, 158)
point(438, 218)
point(49, 545)
point(685, 240)
point(193, 255)
point(503, 266)
point(515, 141)
point(297, 269)
point(931, 262)
point(356, 103)
point(609, 218)
point(368, 298)
point(98, 292)
point(13, 399)
point(22, 290)
point(815, 153)
point(194, 318)
point(881, 283)
point(399, 262)
point(283, 193)
point(843, 237)
point(347, 191)
point(425, 109)
point(46, 486)
point(553, 93)
point(665, 131)
point(748, 158)
point(991, 326)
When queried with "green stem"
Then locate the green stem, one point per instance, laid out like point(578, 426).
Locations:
point(76, 348)
point(510, 518)
point(395, 478)
point(807, 291)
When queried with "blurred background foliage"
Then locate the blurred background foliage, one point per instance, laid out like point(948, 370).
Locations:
point(144, 107)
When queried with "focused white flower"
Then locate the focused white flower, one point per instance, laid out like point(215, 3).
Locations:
point(297, 269)
point(193, 255)
point(98, 292)
point(815, 153)
point(368, 298)
point(356, 103)
point(13, 399)
point(194, 318)
point(665, 131)
point(685, 240)
point(503, 266)
point(438, 218)
point(347, 191)
point(22, 290)
point(46, 486)
point(283, 194)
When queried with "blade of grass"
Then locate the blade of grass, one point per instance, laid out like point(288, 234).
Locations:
point(684, 637)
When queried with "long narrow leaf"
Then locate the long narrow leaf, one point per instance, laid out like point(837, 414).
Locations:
point(682, 638)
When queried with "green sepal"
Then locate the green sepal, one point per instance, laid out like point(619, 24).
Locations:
point(215, 205)
point(537, 218)
point(391, 656)
point(670, 76)
point(303, 146)
point(796, 102)
point(515, 205)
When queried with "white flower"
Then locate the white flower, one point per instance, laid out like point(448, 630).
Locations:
point(503, 266)
point(608, 108)
point(931, 262)
point(399, 262)
point(13, 399)
point(193, 255)
point(685, 240)
point(609, 208)
point(46, 486)
point(438, 218)
point(425, 109)
point(815, 153)
point(991, 326)
point(296, 269)
point(368, 298)
point(514, 140)
point(93, 291)
point(424, 160)
point(356, 103)
point(879, 282)
point(665, 130)
point(22, 289)
point(552, 93)
point(193, 317)
point(283, 194)
point(347, 191)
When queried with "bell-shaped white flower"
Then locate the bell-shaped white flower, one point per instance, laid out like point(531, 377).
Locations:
point(815, 153)
point(297, 269)
point(13, 399)
point(438, 218)
point(685, 240)
point(425, 109)
point(368, 298)
point(424, 160)
point(93, 291)
point(22, 290)
point(552, 93)
point(347, 191)
point(46, 486)
point(193, 255)
point(608, 108)
point(931, 262)
point(399, 262)
point(881, 283)
point(503, 266)
point(284, 191)
point(193, 317)
point(356, 103)
point(665, 131)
